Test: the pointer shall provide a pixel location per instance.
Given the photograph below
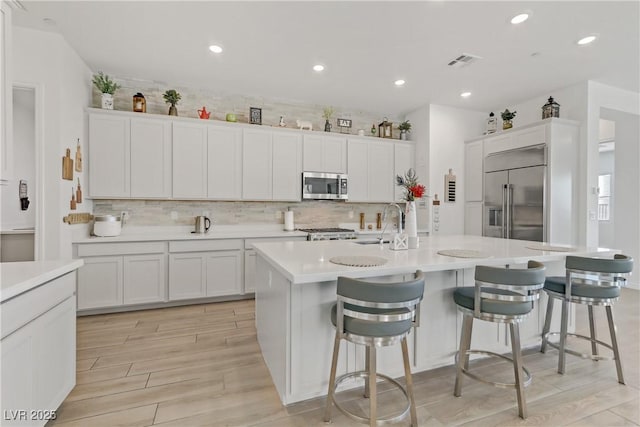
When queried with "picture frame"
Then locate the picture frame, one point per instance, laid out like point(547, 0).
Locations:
point(255, 116)
point(344, 123)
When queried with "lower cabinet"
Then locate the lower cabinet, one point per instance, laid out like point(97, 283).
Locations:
point(205, 273)
point(249, 271)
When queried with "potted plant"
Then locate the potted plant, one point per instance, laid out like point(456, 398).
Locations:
point(107, 87)
point(172, 97)
point(327, 113)
point(507, 116)
point(404, 127)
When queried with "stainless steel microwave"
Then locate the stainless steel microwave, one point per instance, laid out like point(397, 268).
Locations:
point(324, 186)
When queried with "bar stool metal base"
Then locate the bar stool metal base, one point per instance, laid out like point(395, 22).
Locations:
point(365, 375)
point(577, 353)
point(465, 370)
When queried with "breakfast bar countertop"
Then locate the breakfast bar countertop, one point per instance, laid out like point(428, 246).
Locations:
point(19, 277)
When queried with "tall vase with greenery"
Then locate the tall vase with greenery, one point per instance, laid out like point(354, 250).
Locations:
point(107, 87)
point(327, 113)
point(412, 191)
point(172, 97)
point(404, 127)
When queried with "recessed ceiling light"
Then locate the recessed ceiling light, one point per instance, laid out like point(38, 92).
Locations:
point(318, 67)
point(586, 40)
point(465, 94)
point(215, 48)
point(519, 19)
point(399, 82)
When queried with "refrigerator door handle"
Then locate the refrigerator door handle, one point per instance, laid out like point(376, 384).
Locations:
point(509, 189)
point(504, 212)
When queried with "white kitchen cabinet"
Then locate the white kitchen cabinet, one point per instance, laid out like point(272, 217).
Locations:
point(403, 160)
point(224, 273)
point(224, 173)
point(150, 158)
point(109, 156)
point(6, 95)
point(144, 278)
point(249, 271)
point(257, 166)
point(189, 161)
point(100, 282)
point(324, 154)
point(287, 167)
point(473, 171)
point(371, 171)
point(187, 276)
point(473, 218)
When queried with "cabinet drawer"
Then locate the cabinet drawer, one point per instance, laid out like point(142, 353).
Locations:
point(248, 243)
point(205, 245)
point(104, 249)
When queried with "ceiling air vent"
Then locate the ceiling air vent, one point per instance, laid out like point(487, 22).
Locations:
point(463, 60)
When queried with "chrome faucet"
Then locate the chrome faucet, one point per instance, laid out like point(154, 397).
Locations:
point(399, 223)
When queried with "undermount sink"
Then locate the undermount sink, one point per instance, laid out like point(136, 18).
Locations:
point(370, 242)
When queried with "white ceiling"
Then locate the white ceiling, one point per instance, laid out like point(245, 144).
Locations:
point(270, 47)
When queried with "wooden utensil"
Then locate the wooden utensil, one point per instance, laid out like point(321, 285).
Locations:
point(78, 158)
point(67, 166)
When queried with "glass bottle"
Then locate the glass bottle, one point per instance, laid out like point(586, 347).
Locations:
point(492, 123)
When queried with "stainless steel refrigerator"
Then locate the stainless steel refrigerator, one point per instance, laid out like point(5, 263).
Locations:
point(514, 194)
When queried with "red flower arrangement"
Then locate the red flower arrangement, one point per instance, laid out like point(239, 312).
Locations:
point(412, 190)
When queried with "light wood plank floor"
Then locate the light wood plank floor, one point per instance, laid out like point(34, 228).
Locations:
point(201, 365)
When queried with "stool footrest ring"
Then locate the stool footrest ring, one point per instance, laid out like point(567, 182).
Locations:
point(364, 375)
point(577, 353)
point(526, 382)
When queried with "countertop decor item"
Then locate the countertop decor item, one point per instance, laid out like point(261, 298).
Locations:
point(507, 117)
point(231, 117)
point(255, 116)
point(107, 225)
point(373, 130)
point(385, 129)
point(492, 123)
point(550, 109)
point(108, 87)
point(172, 97)
point(304, 124)
point(327, 113)
point(412, 191)
point(78, 164)
point(139, 103)
point(281, 122)
point(344, 125)
point(204, 114)
point(67, 166)
point(405, 128)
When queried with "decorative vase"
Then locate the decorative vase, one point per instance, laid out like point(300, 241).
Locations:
point(107, 101)
point(403, 135)
point(173, 111)
point(327, 126)
point(506, 124)
point(411, 224)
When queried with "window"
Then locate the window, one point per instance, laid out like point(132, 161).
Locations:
point(604, 197)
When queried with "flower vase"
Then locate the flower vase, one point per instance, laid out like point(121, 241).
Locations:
point(403, 135)
point(507, 124)
point(327, 126)
point(411, 224)
point(107, 101)
point(173, 111)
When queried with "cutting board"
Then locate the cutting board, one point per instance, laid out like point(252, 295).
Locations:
point(67, 166)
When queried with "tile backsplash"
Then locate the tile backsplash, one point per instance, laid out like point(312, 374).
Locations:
point(171, 212)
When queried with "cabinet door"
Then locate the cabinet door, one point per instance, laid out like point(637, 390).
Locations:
point(109, 156)
point(334, 154)
point(381, 172)
point(189, 161)
point(403, 155)
point(16, 359)
point(473, 160)
point(150, 158)
point(312, 152)
point(287, 167)
point(100, 282)
point(6, 95)
point(473, 218)
point(249, 272)
point(186, 276)
point(358, 171)
point(257, 165)
point(224, 163)
point(224, 273)
point(144, 278)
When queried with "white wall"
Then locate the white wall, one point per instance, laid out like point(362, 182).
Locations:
point(449, 128)
point(63, 86)
point(606, 237)
point(24, 164)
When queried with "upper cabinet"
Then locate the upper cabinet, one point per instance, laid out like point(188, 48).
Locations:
point(257, 165)
point(109, 156)
point(224, 154)
point(6, 95)
point(150, 158)
point(371, 171)
point(324, 154)
point(287, 166)
point(473, 160)
point(189, 161)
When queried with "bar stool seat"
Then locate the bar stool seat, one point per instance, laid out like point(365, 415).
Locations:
point(557, 284)
point(465, 297)
point(372, 329)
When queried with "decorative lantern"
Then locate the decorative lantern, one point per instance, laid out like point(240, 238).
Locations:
point(492, 123)
point(550, 109)
point(385, 129)
point(139, 103)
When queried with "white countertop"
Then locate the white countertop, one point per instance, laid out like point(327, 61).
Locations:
point(146, 234)
point(305, 262)
point(19, 277)
point(26, 230)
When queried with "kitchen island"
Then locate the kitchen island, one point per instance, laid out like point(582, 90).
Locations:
point(38, 344)
point(296, 287)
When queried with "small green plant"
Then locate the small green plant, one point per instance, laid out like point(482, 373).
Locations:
point(327, 113)
point(405, 126)
point(171, 97)
point(104, 83)
point(508, 115)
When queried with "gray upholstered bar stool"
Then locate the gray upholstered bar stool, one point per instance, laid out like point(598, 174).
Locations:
point(500, 295)
point(375, 313)
point(590, 281)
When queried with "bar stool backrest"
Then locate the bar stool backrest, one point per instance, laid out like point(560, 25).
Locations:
point(604, 272)
point(526, 283)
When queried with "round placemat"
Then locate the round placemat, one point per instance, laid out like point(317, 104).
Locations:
point(462, 253)
point(543, 247)
point(359, 260)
